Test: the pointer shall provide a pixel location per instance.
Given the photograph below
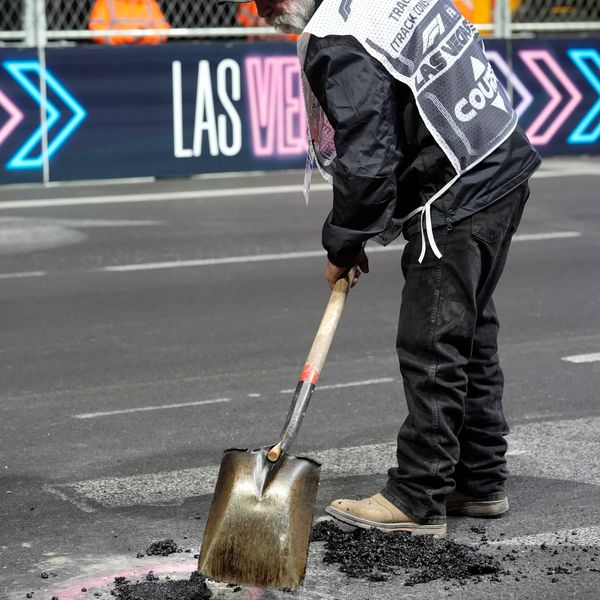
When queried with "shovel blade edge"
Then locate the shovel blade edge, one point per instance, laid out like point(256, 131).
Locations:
point(259, 523)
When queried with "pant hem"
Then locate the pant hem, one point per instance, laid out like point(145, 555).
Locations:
point(485, 498)
point(405, 506)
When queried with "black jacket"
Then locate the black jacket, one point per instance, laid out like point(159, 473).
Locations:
point(388, 163)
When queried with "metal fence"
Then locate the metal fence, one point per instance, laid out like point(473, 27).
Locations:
point(556, 16)
point(68, 16)
point(37, 22)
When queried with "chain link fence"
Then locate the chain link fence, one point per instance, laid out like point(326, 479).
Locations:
point(556, 15)
point(557, 11)
point(73, 15)
point(69, 19)
point(11, 20)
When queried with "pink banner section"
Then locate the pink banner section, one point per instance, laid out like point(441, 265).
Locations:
point(275, 105)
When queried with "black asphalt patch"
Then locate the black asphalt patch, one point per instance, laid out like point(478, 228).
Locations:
point(376, 555)
point(154, 589)
point(162, 548)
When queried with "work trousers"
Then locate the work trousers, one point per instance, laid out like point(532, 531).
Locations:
point(454, 434)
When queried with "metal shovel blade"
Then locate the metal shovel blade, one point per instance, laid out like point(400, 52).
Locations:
point(260, 520)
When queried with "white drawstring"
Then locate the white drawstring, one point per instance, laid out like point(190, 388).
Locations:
point(426, 212)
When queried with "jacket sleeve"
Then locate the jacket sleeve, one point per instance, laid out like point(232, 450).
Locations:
point(359, 98)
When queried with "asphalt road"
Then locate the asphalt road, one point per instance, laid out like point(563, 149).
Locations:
point(147, 326)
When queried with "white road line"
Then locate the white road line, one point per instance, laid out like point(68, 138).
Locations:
point(163, 196)
point(348, 384)
point(205, 262)
point(583, 358)
point(22, 275)
point(560, 450)
point(31, 222)
point(591, 170)
point(229, 260)
point(576, 536)
point(553, 235)
point(573, 172)
point(80, 504)
point(147, 408)
point(250, 258)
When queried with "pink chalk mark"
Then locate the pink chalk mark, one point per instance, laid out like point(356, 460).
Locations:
point(277, 117)
point(73, 591)
point(530, 58)
point(16, 116)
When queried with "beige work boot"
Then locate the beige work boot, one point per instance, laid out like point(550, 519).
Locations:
point(379, 513)
point(461, 505)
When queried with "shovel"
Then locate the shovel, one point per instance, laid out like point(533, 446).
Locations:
point(258, 528)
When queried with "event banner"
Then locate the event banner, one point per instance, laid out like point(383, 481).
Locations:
point(179, 109)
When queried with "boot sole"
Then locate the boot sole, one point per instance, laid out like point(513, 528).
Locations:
point(412, 528)
point(485, 509)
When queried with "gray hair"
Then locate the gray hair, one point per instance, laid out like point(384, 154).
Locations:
point(295, 18)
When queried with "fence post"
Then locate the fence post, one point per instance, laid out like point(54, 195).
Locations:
point(29, 22)
point(502, 19)
point(34, 23)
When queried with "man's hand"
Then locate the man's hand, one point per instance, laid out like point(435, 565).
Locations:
point(333, 273)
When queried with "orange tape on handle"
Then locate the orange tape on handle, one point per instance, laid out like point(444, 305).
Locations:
point(309, 374)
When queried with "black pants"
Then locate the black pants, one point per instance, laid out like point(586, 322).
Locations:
point(453, 436)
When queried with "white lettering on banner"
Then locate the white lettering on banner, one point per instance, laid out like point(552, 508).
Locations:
point(275, 102)
point(236, 93)
point(205, 120)
point(223, 132)
point(178, 149)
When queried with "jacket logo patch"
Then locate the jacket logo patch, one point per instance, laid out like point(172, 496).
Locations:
point(485, 92)
point(432, 32)
point(344, 9)
point(437, 60)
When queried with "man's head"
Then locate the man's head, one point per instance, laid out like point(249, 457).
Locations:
point(288, 16)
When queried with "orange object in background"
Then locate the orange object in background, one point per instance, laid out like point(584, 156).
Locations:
point(247, 16)
point(467, 8)
point(127, 14)
point(481, 11)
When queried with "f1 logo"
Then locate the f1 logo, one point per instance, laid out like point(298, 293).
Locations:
point(344, 9)
point(434, 30)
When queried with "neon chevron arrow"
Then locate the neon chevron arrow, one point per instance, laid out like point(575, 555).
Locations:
point(531, 59)
point(526, 98)
point(16, 116)
point(580, 134)
point(22, 160)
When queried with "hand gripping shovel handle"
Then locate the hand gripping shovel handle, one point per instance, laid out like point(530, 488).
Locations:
point(312, 368)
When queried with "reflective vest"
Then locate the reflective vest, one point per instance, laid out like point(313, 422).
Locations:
point(431, 48)
point(127, 14)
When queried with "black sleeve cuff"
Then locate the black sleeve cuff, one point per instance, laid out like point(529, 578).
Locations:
point(341, 262)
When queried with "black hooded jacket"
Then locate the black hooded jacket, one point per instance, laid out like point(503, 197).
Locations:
point(388, 163)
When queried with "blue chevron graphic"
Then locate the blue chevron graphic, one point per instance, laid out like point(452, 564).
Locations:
point(580, 134)
point(21, 159)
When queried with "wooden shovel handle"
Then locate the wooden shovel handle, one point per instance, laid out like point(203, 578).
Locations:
point(324, 337)
point(314, 364)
